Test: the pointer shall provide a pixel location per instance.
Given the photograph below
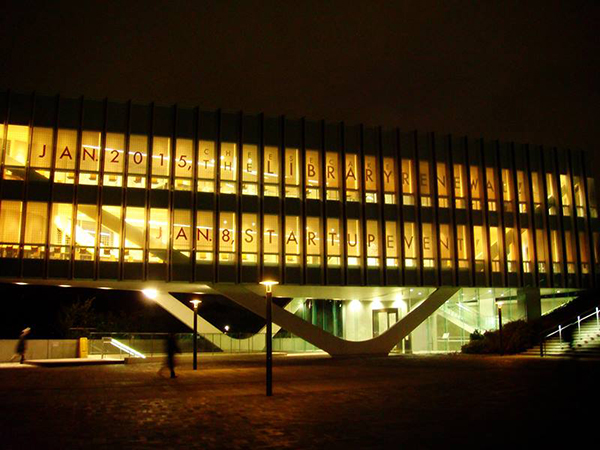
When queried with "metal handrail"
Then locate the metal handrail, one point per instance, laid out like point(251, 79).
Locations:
point(595, 311)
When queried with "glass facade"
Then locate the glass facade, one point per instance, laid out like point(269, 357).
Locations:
point(103, 190)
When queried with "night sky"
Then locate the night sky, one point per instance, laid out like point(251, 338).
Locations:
point(522, 71)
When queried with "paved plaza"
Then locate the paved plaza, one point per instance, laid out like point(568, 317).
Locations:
point(396, 402)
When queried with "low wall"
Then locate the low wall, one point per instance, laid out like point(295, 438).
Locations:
point(40, 348)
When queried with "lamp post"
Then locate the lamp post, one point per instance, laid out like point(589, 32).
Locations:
point(195, 302)
point(500, 326)
point(269, 286)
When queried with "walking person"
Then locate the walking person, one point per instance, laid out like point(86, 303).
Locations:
point(21, 346)
point(171, 348)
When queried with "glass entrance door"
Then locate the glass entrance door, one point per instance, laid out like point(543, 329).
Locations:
point(383, 319)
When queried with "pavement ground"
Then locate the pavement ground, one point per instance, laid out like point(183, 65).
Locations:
point(444, 401)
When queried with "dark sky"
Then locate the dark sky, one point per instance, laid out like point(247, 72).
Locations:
point(522, 71)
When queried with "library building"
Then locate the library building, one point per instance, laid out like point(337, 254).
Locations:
point(381, 240)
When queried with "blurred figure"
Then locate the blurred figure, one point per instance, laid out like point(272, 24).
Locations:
point(171, 348)
point(567, 336)
point(21, 346)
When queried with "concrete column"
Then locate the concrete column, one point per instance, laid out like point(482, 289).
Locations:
point(529, 303)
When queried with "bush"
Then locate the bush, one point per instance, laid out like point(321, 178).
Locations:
point(517, 337)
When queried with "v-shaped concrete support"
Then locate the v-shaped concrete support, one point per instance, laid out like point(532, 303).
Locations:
point(380, 345)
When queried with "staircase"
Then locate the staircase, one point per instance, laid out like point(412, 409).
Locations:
point(586, 341)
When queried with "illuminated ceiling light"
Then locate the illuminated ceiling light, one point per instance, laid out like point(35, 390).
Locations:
point(64, 285)
point(105, 287)
point(21, 283)
point(354, 305)
point(489, 291)
point(419, 293)
point(376, 304)
point(150, 293)
point(411, 289)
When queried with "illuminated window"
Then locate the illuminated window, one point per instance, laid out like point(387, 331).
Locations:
point(584, 252)
point(293, 238)
point(494, 249)
point(204, 236)
point(526, 251)
point(313, 241)
point(445, 246)
point(427, 245)
point(158, 228)
point(556, 249)
point(271, 239)
point(460, 186)
point(10, 228)
point(36, 223)
point(161, 159)
point(389, 181)
point(182, 231)
point(479, 248)
point(371, 174)
point(596, 249)
point(579, 196)
point(552, 203)
point(249, 239)
point(89, 157)
point(391, 244)
point(41, 151)
point(226, 237)
point(461, 245)
point(510, 242)
point(570, 247)
point(137, 161)
point(135, 232)
point(372, 243)
point(333, 243)
point(522, 190)
point(507, 191)
point(114, 159)
point(228, 169)
point(352, 181)
point(184, 163)
point(206, 167)
point(408, 188)
point(61, 231)
point(541, 246)
point(313, 175)
point(410, 245)
point(491, 189)
point(66, 152)
point(592, 198)
point(565, 191)
point(110, 232)
point(424, 185)
point(17, 148)
point(85, 232)
point(292, 173)
point(250, 170)
point(271, 171)
point(332, 176)
point(476, 191)
point(353, 242)
point(442, 185)
point(537, 189)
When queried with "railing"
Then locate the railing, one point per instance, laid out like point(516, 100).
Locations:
point(559, 330)
point(153, 344)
